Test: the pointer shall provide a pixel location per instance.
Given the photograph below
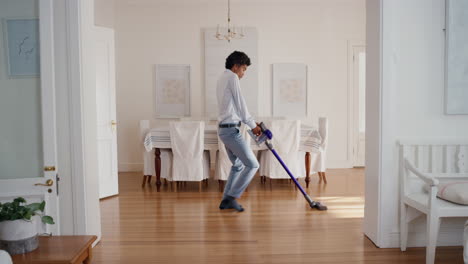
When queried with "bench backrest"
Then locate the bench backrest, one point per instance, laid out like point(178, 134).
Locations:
point(441, 160)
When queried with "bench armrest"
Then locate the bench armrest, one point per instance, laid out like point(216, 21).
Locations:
point(423, 176)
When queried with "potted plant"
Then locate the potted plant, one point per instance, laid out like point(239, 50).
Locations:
point(18, 225)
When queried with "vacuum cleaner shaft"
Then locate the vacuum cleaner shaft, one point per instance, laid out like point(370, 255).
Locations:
point(312, 203)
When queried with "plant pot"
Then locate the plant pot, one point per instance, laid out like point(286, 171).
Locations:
point(19, 236)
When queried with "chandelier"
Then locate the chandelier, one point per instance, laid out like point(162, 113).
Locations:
point(231, 31)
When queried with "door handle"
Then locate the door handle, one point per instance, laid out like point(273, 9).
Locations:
point(49, 182)
point(49, 168)
point(113, 124)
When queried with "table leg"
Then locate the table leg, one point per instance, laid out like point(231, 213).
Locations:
point(144, 180)
point(157, 167)
point(307, 167)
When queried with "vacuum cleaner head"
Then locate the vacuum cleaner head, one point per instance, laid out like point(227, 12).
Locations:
point(314, 204)
point(318, 206)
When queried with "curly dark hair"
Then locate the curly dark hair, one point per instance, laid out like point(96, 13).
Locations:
point(237, 57)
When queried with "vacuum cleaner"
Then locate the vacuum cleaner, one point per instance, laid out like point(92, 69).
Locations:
point(265, 137)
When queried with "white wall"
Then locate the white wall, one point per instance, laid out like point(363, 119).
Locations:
point(20, 107)
point(412, 107)
point(312, 32)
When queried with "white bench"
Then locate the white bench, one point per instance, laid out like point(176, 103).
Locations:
point(424, 163)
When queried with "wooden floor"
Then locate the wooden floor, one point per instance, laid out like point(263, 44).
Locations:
point(143, 226)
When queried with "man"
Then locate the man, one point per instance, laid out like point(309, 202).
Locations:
point(232, 111)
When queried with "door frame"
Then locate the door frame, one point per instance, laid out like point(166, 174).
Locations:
point(47, 62)
point(353, 109)
point(83, 127)
point(76, 127)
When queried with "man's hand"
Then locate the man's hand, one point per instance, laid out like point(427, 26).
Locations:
point(257, 130)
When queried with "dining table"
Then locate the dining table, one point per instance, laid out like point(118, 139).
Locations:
point(158, 138)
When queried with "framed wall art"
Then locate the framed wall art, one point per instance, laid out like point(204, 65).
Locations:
point(289, 89)
point(22, 46)
point(171, 90)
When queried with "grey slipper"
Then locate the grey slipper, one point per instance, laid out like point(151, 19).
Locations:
point(224, 204)
point(234, 204)
point(231, 204)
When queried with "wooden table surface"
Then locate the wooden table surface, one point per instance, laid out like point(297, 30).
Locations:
point(59, 249)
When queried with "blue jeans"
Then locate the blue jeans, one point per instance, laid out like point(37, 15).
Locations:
point(244, 162)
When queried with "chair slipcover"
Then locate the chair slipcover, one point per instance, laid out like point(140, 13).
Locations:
point(286, 139)
point(190, 161)
point(318, 160)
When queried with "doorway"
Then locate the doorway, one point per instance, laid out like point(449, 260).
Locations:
point(106, 112)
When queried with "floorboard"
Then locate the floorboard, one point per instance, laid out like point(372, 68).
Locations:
point(141, 225)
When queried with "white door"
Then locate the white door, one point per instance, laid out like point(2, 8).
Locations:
point(28, 163)
point(106, 116)
point(359, 94)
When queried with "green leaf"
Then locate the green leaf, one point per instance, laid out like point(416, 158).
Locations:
point(47, 220)
point(28, 215)
point(19, 200)
point(42, 206)
point(16, 216)
point(22, 211)
point(34, 206)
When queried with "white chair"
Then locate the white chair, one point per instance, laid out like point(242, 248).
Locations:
point(149, 158)
point(207, 120)
point(423, 165)
point(5, 257)
point(286, 139)
point(223, 163)
point(318, 160)
point(190, 161)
